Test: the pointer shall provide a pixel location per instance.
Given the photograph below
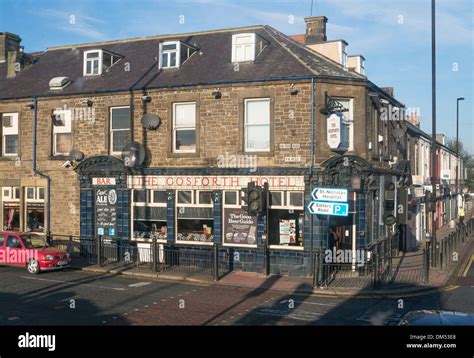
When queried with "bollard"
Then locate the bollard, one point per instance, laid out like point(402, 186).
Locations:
point(426, 265)
point(155, 254)
point(315, 270)
point(376, 270)
point(99, 251)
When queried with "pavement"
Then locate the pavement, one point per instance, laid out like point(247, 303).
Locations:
point(439, 279)
point(74, 297)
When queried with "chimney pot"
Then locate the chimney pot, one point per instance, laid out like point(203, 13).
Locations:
point(315, 29)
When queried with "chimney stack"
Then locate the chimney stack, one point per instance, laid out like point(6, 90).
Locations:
point(11, 52)
point(315, 29)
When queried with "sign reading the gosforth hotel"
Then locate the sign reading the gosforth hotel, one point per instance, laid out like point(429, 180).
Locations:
point(213, 182)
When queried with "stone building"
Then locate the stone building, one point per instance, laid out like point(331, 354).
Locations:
point(212, 111)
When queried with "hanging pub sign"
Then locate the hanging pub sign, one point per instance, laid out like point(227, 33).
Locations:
point(105, 211)
point(337, 133)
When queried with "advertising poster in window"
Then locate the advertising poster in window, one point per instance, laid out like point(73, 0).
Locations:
point(105, 211)
point(287, 231)
point(239, 227)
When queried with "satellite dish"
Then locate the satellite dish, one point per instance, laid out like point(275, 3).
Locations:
point(133, 154)
point(150, 121)
point(76, 155)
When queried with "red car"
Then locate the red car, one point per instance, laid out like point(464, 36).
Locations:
point(31, 251)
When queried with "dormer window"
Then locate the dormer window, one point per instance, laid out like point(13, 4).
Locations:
point(174, 53)
point(98, 61)
point(246, 47)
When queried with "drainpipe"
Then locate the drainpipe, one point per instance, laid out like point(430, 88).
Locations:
point(314, 262)
point(37, 172)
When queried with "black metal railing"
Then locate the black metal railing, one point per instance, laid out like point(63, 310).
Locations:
point(447, 250)
point(142, 255)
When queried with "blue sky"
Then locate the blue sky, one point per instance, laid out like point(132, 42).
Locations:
point(393, 35)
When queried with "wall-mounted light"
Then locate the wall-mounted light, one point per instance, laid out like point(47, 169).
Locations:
point(293, 90)
point(217, 93)
point(146, 98)
point(29, 106)
point(87, 102)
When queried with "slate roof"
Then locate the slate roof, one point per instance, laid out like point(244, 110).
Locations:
point(281, 58)
point(419, 132)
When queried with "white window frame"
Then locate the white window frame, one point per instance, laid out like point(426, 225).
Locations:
point(184, 204)
point(194, 204)
point(66, 129)
point(252, 45)
point(111, 131)
point(198, 201)
point(238, 196)
point(86, 60)
point(168, 53)
point(246, 125)
point(149, 202)
point(175, 128)
point(38, 189)
point(11, 193)
point(283, 198)
point(8, 131)
point(287, 206)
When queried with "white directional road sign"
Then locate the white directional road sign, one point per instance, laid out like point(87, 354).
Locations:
point(328, 208)
point(326, 194)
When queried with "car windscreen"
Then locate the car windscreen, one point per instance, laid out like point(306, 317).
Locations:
point(34, 241)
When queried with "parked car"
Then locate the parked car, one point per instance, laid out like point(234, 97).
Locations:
point(436, 318)
point(31, 251)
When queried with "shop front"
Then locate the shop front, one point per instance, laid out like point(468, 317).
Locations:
point(23, 209)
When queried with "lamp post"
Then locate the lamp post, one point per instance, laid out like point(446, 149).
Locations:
point(457, 154)
point(434, 167)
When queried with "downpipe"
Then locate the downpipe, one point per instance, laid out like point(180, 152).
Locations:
point(37, 172)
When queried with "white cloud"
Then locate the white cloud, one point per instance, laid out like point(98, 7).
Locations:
point(73, 22)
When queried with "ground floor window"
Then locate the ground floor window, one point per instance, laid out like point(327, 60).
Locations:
point(195, 216)
point(34, 209)
point(11, 216)
point(35, 217)
point(286, 218)
point(149, 214)
point(11, 208)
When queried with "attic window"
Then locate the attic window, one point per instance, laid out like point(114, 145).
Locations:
point(246, 47)
point(98, 61)
point(174, 53)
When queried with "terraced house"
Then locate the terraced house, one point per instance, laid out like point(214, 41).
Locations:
point(152, 139)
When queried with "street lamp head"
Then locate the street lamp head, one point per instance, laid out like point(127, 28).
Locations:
point(460, 99)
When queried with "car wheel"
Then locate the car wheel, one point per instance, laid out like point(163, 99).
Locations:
point(33, 267)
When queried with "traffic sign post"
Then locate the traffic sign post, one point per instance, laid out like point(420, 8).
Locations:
point(328, 208)
point(332, 195)
point(329, 201)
